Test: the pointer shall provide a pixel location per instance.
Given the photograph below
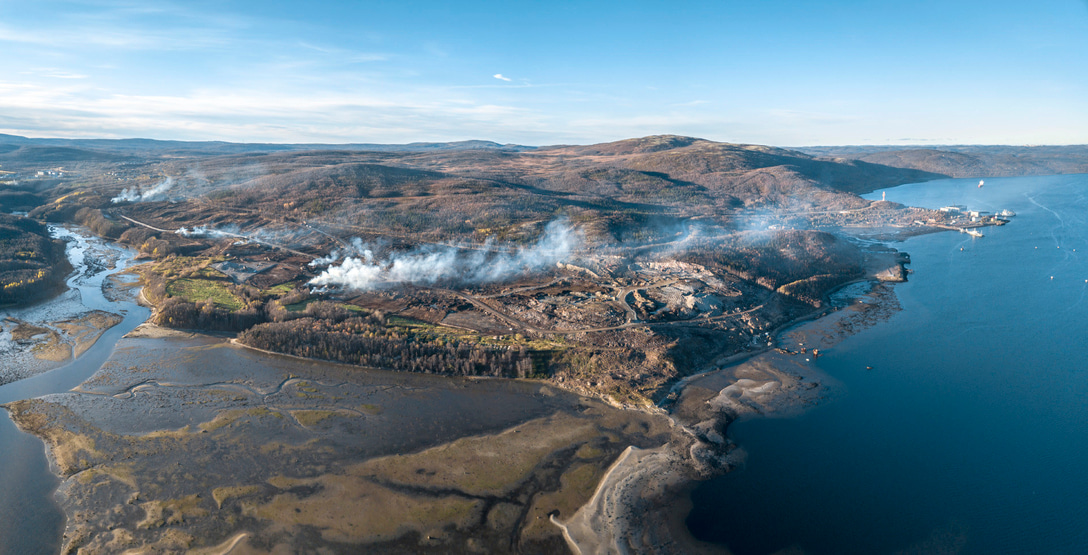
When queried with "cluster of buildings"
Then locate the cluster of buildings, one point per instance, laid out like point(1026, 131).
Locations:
point(956, 210)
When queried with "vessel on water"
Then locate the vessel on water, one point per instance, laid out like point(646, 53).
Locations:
point(1006, 213)
point(971, 232)
point(980, 183)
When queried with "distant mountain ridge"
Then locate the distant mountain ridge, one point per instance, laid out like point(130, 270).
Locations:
point(967, 160)
point(855, 169)
point(131, 146)
point(935, 161)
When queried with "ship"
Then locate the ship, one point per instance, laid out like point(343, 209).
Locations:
point(980, 183)
point(1006, 213)
point(971, 232)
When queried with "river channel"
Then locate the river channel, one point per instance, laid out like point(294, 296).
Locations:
point(162, 417)
point(30, 520)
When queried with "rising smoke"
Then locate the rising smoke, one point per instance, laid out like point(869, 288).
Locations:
point(135, 194)
point(273, 237)
point(357, 248)
point(429, 265)
point(211, 233)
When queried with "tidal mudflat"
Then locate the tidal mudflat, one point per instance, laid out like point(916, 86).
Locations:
point(188, 442)
point(50, 333)
point(183, 442)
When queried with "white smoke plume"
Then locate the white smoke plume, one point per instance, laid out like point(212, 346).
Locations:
point(136, 195)
point(357, 248)
point(429, 265)
point(332, 258)
point(211, 233)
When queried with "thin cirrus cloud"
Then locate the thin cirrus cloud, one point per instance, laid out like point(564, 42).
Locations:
point(53, 73)
point(123, 38)
point(254, 115)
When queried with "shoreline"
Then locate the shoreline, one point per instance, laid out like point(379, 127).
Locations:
point(644, 493)
point(47, 334)
point(643, 500)
point(550, 451)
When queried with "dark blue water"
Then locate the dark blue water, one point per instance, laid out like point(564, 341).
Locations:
point(970, 434)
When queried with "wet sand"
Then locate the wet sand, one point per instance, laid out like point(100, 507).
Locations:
point(33, 347)
point(48, 334)
point(185, 442)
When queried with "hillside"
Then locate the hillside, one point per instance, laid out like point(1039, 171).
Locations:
point(650, 257)
point(148, 147)
point(969, 161)
point(617, 190)
point(32, 265)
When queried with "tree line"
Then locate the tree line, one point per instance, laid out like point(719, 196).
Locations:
point(364, 342)
point(32, 265)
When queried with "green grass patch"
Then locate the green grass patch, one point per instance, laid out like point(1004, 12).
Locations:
point(196, 290)
point(299, 307)
point(401, 321)
point(279, 290)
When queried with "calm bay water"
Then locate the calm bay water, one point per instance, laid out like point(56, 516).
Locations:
point(970, 434)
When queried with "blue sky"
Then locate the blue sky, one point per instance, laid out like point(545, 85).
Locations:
point(777, 72)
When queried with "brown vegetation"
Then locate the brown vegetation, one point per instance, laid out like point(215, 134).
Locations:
point(32, 265)
point(969, 160)
point(672, 266)
point(369, 342)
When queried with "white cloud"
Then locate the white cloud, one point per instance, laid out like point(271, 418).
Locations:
point(501, 77)
point(259, 115)
point(53, 73)
point(78, 108)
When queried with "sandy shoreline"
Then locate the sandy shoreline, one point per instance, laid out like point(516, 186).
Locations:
point(638, 507)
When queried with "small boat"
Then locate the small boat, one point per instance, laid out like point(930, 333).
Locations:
point(1006, 213)
point(981, 183)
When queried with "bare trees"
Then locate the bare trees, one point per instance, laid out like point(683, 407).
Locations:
point(366, 342)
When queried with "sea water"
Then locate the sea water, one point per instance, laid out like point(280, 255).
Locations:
point(970, 432)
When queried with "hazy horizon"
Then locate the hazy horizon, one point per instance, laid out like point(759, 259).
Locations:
point(485, 140)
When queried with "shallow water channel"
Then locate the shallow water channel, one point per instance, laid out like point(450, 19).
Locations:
point(30, 520)
point(183, 415)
